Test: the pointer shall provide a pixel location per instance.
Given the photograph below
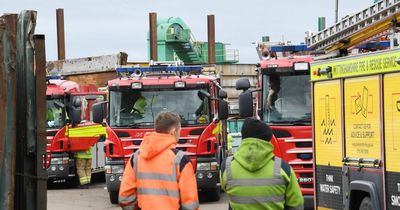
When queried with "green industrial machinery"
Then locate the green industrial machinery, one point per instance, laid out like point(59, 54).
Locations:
point(175, 41)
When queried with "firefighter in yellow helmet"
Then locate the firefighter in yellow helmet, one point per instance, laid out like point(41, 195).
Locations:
point(140, 106)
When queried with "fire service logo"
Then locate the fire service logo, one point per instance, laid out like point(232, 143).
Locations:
point(361, 102)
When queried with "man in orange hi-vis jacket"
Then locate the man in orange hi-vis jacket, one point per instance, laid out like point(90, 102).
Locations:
point(158, 176)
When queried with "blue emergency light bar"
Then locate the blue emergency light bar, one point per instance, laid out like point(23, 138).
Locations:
point(53, 77)
point(159, 69)
point(371, 45)
point(290, 48)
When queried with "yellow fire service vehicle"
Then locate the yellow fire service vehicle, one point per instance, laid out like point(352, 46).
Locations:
point(356, 112)
point(356, 109)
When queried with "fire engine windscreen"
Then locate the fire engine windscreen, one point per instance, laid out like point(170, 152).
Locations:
point(286, 99)
point(135, 108)
point(55, 114)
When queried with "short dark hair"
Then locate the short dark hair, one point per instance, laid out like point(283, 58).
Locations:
point(165, 121)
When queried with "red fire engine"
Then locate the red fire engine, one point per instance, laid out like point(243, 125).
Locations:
point(283, 101)
point(65, 136)
point(141, 93)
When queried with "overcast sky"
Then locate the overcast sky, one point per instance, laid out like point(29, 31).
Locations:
point(99, 27)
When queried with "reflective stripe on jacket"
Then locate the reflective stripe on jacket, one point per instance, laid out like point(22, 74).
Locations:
point(255, 179)
point(86, 131)
point(158, 176)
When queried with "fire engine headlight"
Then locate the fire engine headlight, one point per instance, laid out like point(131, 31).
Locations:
point(136, 85)
point(107, 169)
point(213, 166)
point(65, 160)
point(203, 166)
point(59, 161)
point(180, 84)
point(117, 169)
point(200, 175)
point(56, 161)
point(209, 175)
point(301, 66)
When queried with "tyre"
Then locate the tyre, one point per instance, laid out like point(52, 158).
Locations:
point(366, 204)
point(214, 194)
point(113, 197)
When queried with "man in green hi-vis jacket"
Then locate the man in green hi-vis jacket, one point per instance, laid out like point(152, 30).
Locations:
point(254, 178)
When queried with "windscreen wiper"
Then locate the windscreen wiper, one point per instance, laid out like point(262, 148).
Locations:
point(306, 121)
point(190, 122)
point(292, 122)
point(137, 124)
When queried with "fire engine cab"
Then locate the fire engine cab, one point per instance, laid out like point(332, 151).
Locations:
point(70, 127)
point(283, 101)
point(140, 93)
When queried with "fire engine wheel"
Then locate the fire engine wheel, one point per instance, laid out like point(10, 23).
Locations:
point(113, 197)
point(214, 194)
point(366, 204)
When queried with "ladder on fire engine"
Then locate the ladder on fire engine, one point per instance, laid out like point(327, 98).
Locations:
point(357, 28)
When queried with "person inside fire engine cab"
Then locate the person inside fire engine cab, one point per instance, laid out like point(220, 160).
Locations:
point(273, 90)
point(201, 112)
point(139, 106)
point(54, 114)
point(140, 109)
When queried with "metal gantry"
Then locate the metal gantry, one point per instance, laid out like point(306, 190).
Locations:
point(358, 27)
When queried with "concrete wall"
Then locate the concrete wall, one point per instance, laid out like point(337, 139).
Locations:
point(94, 64)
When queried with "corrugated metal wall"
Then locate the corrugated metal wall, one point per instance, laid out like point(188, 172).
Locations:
point(8, 93)
point(22, 131)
